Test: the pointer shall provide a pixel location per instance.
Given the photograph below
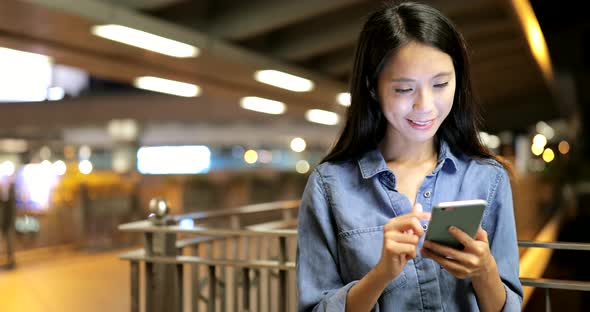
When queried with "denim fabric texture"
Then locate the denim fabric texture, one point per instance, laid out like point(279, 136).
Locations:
point(340, 233)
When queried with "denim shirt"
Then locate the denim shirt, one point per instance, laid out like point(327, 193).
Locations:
point(340, 233)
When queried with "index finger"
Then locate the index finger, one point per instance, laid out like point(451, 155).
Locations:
point(420, 215)
point(461, 236)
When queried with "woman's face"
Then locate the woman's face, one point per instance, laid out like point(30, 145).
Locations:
point(416, 89)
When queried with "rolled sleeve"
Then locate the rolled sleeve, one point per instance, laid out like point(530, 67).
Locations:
point(504, 244)
point(513, 301)
point(319, 284)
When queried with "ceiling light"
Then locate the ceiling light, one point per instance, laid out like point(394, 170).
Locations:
point(167, 86)
point(262, 105)
point(25, 76)
point(144, 40)
point(186, 159)
point(343, 99)
point(55, 93)
point(322, 117)
point(284, 80)
point(536, 40)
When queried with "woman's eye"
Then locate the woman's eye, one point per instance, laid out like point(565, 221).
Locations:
point(403, 90)
point(441, 85)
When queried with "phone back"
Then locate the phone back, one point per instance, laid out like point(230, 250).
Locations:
point(466, 216)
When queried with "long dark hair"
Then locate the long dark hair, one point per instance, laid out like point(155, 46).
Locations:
point(383, 34)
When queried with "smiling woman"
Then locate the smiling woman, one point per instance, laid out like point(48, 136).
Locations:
point(416, 90)
point(410, 141)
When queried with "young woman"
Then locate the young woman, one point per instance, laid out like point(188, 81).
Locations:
point(410, 141)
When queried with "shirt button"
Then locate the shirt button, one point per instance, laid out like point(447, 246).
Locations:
point(427, 194)
point(425, 227)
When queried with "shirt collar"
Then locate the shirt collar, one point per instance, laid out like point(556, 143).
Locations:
point(372, 162)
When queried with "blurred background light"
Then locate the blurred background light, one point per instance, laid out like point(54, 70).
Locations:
point(85, 166)
point(302, 166)
point(24, 76)
point(563, 147)
point(174, 159)
point(145, 40)
point(283, 80)
point(343, 99)
point(539, 140)
point(59, 167)
point(262, 105)
point(167, 86)
point(548, 155)
point(322, 117)
point(536, 150)
point(250, 156)
point(298, 145)
point(7, 168)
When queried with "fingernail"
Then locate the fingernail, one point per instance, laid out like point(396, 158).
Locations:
point(452, 228)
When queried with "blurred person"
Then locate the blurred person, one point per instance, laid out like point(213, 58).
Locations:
point(410, 141)
point(7, 218)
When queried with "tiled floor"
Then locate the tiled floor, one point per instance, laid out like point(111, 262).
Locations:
point(66, 280)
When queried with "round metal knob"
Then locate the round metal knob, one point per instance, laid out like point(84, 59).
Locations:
point(159, 209)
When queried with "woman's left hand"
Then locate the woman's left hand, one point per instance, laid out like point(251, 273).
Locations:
point(472, 261)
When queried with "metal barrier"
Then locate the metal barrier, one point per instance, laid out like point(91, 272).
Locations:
point(235, 266)
point(549, 284)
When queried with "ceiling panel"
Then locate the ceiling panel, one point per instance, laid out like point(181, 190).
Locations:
point(313, 39)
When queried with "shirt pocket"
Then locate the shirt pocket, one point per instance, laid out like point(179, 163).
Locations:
point(359, 251)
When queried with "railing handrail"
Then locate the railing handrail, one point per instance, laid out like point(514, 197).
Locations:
point(248, 209)
point(555, 283)
point(139, 255)
point(555, 245)
point(145, 226)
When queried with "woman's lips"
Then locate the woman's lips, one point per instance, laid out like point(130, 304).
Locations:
point(421, 124)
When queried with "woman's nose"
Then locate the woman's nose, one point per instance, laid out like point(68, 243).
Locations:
point(424, 102)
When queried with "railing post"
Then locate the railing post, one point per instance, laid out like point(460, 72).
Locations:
point(196, 280)
point(282, 274)
point(179, 288)
point(149, 272)
point(162, 244)
point(548, 299)
point(212, 292)
point(246, 290)
point(134, 286)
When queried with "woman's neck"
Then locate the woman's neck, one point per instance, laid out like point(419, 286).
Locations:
point(397, 149)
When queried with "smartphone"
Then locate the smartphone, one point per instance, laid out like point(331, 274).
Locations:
point(465, 214)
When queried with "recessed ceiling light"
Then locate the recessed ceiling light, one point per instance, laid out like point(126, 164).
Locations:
point(262, 105)
point(167, 86)
point(322, 117)
point(284, 80)
point(145, 40)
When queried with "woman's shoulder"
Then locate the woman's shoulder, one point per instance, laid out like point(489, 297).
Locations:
point(486, 169)
point(331, 168)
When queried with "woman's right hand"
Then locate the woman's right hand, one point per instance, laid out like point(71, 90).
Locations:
point(400, 240)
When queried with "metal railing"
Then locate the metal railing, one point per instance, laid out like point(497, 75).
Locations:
point(236, 266)
point(549, 284)
point(233, 267)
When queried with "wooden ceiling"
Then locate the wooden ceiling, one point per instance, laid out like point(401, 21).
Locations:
point(310, 38)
